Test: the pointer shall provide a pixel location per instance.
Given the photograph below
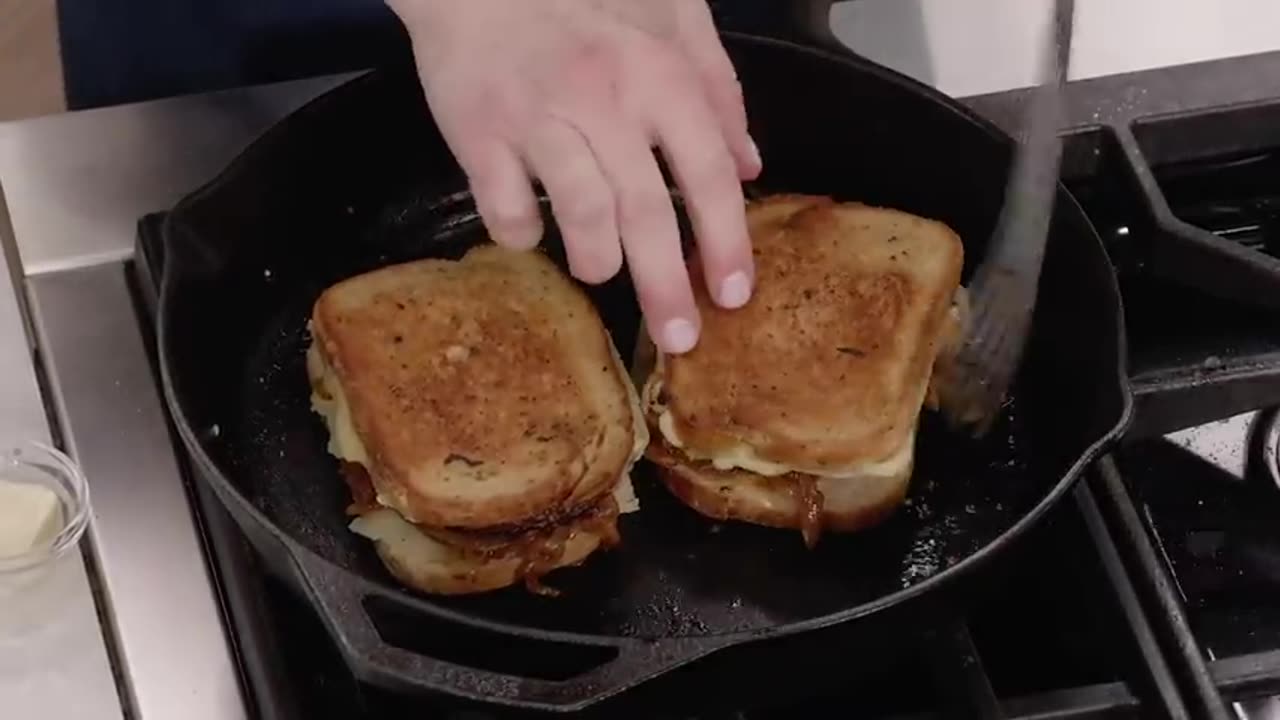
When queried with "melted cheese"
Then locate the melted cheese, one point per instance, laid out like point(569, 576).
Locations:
point(344, 441)
point(402, 537)
point(745, 457)
point(639, 427)
point(650, 364)
point(406, 540)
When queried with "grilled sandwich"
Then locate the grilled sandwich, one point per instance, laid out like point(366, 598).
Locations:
point(800, 409)
point(482, 417)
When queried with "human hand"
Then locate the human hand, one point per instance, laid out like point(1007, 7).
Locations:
point(579, 93)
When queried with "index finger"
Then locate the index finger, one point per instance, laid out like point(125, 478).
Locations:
point(650, 236)
point(692, 139)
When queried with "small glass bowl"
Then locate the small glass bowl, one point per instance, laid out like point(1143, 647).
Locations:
point(38, 587)
point(39, 464)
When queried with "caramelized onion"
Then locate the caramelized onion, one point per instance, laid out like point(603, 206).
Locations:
point(809, 498)
point(540, 556)
point(539, 547)
point(604, 523)
point(803, 488)
point(363, 497)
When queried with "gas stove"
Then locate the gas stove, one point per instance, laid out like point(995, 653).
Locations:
point(1102, 655)
point(1154, 592)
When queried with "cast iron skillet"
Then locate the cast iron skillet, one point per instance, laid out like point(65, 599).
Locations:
point(360, 178)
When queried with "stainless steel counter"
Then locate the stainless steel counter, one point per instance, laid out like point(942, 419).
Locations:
point(62, 670)
point(73, 187)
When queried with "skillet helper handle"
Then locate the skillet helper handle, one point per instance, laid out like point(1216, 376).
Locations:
point(803, 21)
point(625, 663)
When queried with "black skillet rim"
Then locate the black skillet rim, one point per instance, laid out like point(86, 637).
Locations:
point(247, 156)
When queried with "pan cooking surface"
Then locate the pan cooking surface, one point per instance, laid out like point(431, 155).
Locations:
point(676, 572)
point(355, 181)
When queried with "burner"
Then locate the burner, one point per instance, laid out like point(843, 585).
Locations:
point(1169, 556)
point(1233, 197)
point(1209, 497)
point(1218, 443)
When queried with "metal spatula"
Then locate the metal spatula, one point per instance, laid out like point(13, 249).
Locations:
point(1002, 294)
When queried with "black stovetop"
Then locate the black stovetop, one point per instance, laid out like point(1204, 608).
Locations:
point(1154, 593)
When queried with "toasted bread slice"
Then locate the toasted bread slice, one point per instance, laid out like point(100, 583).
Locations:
point(456, 564)
point(479, 392)
point(794, 501)
point(826, 368)
point(424, 563)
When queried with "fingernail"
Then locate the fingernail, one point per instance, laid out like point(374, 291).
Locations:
point(514, 232)
point(517, 240)
point(755, 153)
point(735, 291)
point(679, 336)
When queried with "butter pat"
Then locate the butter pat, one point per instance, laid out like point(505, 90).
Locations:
point(30, 517)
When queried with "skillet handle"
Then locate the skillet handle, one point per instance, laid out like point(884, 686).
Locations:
point(804, 21)
point(341, 601)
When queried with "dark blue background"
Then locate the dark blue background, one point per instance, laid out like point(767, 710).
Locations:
point(128, 50)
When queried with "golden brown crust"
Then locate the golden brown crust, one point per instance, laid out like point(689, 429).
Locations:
point(461, 580)
point(828, 364)
point(484, 390)
point(452, 562)
point(485, 562)
point(844, 505)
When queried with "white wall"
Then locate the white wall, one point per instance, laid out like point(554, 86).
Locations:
point(966, 47)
